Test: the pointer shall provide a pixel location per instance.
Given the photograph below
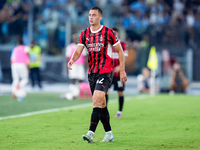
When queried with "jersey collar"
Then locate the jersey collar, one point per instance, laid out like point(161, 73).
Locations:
point(96, 30)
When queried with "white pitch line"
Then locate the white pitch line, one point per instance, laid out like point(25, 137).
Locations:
point(65, 108)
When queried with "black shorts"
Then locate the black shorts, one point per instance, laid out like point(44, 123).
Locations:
point(118, 86)
point(100, 82)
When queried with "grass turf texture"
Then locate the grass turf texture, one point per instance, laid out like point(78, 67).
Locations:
point(160, 122)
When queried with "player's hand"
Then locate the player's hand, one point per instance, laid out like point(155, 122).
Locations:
point(123, 77)
point(70, 63)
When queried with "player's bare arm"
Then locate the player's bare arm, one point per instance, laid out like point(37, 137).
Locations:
point(123, 77)
point(117, 68)
point(75, 56)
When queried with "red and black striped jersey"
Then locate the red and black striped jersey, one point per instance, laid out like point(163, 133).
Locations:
point(115, 57)
point(99, 47)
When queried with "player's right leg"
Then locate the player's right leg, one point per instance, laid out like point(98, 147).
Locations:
point(95, 116)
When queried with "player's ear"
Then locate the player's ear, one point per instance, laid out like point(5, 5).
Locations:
point(100, 16)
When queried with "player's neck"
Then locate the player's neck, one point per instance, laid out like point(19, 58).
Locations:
point(95, 27)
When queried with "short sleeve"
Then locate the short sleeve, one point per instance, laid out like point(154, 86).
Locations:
point(68, 51)
point(27, 49)
point(114, 40)
point(124, 49)
point(81, 39)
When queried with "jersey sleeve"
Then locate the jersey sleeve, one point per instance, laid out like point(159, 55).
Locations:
point(81, 39)
point(68, 51)
point(26, 49)
point(114, 40)
point(123, 44)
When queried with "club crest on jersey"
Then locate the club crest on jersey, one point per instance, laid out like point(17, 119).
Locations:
point(101, 38)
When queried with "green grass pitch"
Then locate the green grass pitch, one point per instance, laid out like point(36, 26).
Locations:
point(148, 123)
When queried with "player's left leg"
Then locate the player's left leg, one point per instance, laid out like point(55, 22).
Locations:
point(103, 83)
point(38, 78)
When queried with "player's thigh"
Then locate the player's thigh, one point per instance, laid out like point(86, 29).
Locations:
point(103, 82)
point(92, 82)
point(14, 69)
point(23, 71)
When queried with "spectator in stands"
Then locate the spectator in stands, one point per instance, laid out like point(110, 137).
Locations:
point(18, 21)
point(35, 63)
point(19, 67)
point(143, 81)
point(179, 82)
point(13, 20)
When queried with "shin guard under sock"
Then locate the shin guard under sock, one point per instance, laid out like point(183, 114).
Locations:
point(95, 117)
point(105, 119)
point(121, 102)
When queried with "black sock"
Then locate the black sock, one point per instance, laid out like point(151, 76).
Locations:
point(105, 119)
point(121, 102)
point(95, 117)
point(106, 96)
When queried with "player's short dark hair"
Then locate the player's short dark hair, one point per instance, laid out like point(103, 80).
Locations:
point(97, 8)
point(20, 41)
point(115, 29)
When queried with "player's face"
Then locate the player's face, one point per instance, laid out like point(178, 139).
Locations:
point(94, 17)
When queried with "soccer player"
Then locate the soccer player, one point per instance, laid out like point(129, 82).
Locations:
point(77, 74)
point(116, 76)
point(19, 67)
point(98, 40)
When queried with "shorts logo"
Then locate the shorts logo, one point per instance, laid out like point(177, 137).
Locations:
point(100, 81)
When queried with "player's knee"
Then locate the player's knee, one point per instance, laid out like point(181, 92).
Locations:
point(98, 100)
point(15, 82)
point(120, 93)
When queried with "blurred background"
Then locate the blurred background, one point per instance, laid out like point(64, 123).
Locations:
point(172, 26)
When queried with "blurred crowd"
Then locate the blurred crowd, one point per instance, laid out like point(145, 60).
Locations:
point(133, 16)
point(13, 19)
